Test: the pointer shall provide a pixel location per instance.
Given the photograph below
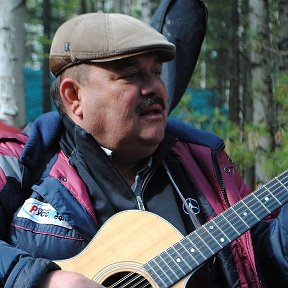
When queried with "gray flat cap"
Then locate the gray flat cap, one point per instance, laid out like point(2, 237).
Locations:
point(101, 37)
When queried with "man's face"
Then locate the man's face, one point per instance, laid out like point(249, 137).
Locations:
point(124, 104)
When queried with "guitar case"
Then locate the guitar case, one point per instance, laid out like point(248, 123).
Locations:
point(182, 22)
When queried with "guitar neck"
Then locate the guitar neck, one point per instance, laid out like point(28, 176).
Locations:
point(193, 250)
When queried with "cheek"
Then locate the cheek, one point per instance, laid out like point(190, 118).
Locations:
point(115, 108)
point(164, 93)
point(125, 103)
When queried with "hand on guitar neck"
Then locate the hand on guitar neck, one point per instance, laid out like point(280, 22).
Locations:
point(59, 278)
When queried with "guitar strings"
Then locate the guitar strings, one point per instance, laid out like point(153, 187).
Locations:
point(124, 283)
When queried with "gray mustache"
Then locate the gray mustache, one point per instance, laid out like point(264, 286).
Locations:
point(149, 101)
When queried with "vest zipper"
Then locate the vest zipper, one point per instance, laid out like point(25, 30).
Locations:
point(220, 181)
point(252, 277)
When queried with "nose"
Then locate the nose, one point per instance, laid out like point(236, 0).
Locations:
point(152, 85)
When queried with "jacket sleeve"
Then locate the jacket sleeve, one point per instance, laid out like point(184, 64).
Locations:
point(271, 249)
point(19, 270)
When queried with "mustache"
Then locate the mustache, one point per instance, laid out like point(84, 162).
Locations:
point(149, 101)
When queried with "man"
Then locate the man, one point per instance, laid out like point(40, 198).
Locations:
point(107, 151)
point(8, 128)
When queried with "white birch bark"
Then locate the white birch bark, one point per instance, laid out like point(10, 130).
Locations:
point(12, 109)
point(146, 11)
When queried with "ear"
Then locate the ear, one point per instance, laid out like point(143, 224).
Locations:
point(69, 90)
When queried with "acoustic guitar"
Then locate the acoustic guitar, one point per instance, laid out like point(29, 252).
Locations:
point(140, 249)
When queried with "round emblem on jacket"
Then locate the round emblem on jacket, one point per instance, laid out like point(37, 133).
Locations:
point(193, 205)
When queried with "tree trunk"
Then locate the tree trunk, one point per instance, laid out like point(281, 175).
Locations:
point(45, 63)
point(84, 8)
point(247, 101)
point(261, 83)
point(283, 35)
point(12, 104)
point(234, 96)
point(147, 11)
point(99, 5)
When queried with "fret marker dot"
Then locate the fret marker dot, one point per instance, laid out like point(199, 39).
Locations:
point(245, 214)
point(266, 199)
point(211, 227)
point(192, 250)
point(178, 260)
point(222, 240)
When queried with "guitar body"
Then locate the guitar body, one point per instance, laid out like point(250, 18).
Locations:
point(124, 244)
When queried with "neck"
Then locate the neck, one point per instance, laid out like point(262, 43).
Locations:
point(128, 169)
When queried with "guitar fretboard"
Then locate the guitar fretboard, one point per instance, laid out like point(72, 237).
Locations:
point(193, 250)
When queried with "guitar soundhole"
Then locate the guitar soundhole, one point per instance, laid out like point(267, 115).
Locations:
point(126, 279)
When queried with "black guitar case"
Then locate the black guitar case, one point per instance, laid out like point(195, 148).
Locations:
point(182, 22)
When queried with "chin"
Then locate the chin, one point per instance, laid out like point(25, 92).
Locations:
point(155, 139)
point(152, 135)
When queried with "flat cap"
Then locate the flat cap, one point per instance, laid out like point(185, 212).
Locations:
point(101, 37)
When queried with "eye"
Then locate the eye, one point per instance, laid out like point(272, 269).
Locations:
point(131, 76)
point(157, 72)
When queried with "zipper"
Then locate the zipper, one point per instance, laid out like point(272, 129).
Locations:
point(252, 276)
point(221, 181)
point(140, 203)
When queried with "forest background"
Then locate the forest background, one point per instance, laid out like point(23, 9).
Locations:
point(241, 76)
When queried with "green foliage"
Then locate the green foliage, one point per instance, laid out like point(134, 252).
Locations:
point(277, 160)
point(281, 93)
point(242, 153)
point(242, 142)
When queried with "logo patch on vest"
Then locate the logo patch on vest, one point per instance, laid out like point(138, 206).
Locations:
point(193, 205)
point(42, 213)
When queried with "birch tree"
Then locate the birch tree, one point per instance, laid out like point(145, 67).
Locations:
point(12, 109)
point(261, 81)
